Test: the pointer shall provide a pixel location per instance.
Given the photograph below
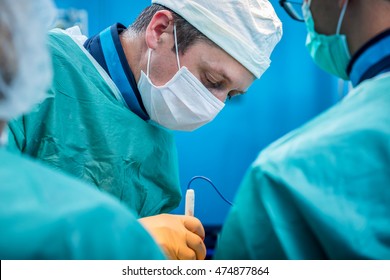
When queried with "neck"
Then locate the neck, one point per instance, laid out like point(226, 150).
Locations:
point(371, 18)
point(2, 126)
point(136, 52)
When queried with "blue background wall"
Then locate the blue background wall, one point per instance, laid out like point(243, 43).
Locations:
point(291, 92)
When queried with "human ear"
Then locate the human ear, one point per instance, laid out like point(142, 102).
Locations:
point(159, 24)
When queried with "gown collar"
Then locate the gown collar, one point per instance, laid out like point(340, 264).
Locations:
point(107, 50)
point(371, 60)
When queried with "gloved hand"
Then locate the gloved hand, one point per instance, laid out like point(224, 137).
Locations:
point(181, 237)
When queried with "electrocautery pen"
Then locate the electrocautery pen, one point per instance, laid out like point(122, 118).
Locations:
point(190, 202)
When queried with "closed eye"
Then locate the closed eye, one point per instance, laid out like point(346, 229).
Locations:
point(212, 82)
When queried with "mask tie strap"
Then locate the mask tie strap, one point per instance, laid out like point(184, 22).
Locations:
point(341, 17)
point(148, 64)
point(342, 83)
point(176, 47)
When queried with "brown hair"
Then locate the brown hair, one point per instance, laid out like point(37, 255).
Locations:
point(187, 35)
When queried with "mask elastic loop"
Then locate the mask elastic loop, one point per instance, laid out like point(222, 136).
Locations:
point(341, 17)
point(177, 53)
point(148, 64)
point(177, 49)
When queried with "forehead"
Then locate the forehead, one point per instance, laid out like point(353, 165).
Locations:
point(207, 56)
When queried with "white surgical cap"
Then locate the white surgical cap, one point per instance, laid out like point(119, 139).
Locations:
point(25, 67)
point(248, 30)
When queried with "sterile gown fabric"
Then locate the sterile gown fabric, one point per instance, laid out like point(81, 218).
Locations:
point(323, 190)
point(84, 128)
point(48, 215)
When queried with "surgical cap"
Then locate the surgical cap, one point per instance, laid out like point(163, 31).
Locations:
point(25, 68)
point(248, 30)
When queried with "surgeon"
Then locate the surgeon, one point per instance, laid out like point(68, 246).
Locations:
point(322, 191)
point(116, 97)
point(45, 214)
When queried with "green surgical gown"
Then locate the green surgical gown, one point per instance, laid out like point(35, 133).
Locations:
point(48, 215)
point(323, 190)
point(85, 129)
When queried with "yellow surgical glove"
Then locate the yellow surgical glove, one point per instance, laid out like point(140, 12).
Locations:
point(181, 237)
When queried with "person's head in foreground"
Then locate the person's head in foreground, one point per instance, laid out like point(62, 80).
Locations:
point(25, 69)
point(334, 39)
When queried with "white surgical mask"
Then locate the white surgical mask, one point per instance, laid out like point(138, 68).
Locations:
point(183, 103)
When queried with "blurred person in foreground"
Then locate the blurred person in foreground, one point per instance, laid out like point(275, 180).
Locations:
point(43, 213)
point(323, 190)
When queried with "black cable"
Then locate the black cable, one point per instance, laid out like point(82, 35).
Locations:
point(211, 183)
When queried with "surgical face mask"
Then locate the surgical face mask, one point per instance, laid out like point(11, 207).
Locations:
point(331, 53)
point(183, 103)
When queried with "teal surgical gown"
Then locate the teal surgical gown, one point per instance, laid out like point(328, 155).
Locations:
point(323, 190)
point(48, 215)
point(84, 128)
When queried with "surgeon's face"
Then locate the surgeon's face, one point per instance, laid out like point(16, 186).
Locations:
point(326, 14)
point(221, 74)
point(212, 66)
